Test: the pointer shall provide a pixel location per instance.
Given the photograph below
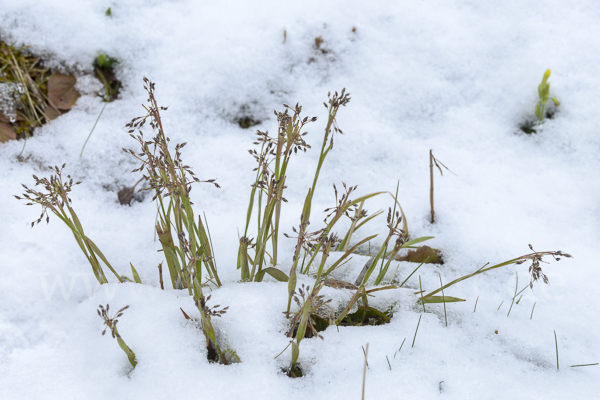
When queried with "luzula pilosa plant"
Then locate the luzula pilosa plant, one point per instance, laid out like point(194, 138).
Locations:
point(185, 241)
point(54, 197)
point(111, 323)
point(188, 250)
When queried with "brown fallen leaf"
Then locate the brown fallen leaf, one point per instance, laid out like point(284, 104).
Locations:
point(184, 314)
point(61, 91)
point(7, 133)
point(126, 194)
point(336, 284)
point(52, 113)
point(423, 254)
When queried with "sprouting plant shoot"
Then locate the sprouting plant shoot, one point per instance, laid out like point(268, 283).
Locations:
point(111, 323)
point(544, 97)
point(105, 61)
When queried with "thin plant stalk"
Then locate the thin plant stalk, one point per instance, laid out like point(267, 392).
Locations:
point(556, 343)
point(431, 185)
point(421, 292)
point(364, 381)
point(437, 163)
point(417, 330)
point(444, 301)
point(400, 348)
point(94, 127)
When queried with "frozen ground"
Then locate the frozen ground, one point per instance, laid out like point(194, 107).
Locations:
point(455, 77)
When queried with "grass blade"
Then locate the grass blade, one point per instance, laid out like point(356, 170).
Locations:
point(417, 330)
point(136, 276)
point(94, 127)
point(556, 343)
point(439, 299)
point(400, 348)
point(444, 301)
point(365, 371)
point(274, 272)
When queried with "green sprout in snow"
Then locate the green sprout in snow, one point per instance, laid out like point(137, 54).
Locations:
point(544, 94)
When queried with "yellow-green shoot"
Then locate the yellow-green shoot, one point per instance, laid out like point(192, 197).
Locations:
point(544, 97)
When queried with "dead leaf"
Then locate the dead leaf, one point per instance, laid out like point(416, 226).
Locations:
point(336, 284)
point(61, 91)
point(7, 133)
point(51, 113)
point(126, 195)
point(423, 254)
point(184, 314)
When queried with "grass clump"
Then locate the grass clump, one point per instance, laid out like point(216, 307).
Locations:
point(187, 246)
point(184, 239)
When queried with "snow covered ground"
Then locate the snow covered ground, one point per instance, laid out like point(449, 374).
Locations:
point(456, 77)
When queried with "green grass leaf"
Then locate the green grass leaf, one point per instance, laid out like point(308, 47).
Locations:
point(439, 299)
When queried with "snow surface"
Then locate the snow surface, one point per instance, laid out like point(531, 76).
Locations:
point(456, 77)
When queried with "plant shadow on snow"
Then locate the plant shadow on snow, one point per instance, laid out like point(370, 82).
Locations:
point(247, 115)
point(532, 126)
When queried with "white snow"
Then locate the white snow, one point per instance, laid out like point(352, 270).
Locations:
point(456, 77)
